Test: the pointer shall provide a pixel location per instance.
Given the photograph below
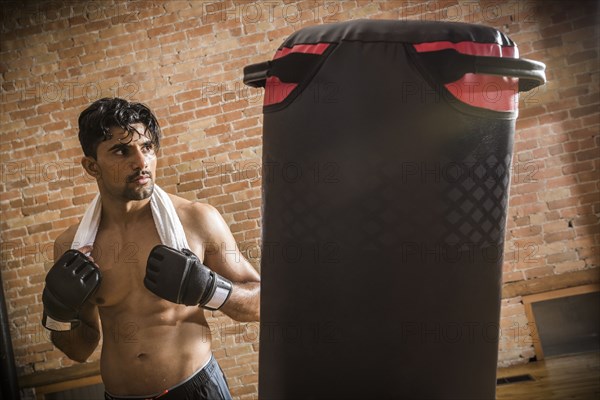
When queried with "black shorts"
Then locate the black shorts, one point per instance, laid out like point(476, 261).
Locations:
point(208, 383)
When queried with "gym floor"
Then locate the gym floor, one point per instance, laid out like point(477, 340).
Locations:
point(574, 377)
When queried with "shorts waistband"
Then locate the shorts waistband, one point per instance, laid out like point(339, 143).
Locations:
point(203, 374)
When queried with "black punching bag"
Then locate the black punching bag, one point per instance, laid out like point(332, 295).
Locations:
point(386, 161)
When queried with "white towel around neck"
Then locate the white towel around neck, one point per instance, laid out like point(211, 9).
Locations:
point(165, 217)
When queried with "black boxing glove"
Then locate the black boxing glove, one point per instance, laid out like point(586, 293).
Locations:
point(180, 277)
point(69, 283)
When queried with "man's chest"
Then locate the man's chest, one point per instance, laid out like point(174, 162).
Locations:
point(122, 261)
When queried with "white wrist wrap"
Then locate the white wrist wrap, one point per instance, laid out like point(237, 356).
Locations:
point(54, 325)
point(222, 292)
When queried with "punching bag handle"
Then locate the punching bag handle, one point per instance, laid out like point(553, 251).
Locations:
point(449, 66)
point(290, 69)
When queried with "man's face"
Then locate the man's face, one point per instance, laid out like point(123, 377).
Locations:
point(127, 164)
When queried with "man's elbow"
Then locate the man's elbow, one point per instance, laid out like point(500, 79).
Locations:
point(76, 353)
point(256, 308)
point(80, 358)
point(248, 309)
point(253, 314)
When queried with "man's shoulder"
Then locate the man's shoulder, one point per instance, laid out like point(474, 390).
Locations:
point(201, 221)
point(65, 239)
point(190, 206)
point(195, 214)
point(68, 234)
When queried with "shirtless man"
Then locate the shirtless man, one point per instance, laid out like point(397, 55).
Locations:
point(152, 347)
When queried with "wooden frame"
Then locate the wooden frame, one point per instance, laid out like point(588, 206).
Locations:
point(56, 380)
point(42, 391)
point(554, 294)
point(551, 283)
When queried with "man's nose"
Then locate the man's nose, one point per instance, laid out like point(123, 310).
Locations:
point(138, 160)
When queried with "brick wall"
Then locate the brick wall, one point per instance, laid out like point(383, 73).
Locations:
point(554, 201)
point(184, 59)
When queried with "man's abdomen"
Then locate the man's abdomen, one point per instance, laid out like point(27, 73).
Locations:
point(144, 356)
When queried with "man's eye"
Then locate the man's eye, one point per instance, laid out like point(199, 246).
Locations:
point(121, 152)
point(148, 147)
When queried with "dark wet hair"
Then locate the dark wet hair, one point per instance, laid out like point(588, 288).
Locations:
point(96, 121)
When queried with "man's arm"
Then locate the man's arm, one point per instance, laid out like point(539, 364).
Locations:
point(244, 303)
point(79, 343)
point(222, 255)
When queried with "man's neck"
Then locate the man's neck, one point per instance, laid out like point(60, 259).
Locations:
point(124, 213)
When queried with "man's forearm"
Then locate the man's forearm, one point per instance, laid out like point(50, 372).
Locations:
point(244, 303)
point(78, 344)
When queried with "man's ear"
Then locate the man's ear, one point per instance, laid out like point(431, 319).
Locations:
point(91, 166)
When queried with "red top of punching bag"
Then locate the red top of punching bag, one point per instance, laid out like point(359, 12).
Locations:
point(493, 92)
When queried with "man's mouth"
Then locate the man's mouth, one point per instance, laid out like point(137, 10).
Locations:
point(140, 179)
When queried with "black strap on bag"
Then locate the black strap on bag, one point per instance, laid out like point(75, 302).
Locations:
point(290, 68)
point(444, 65)
point(449, 66)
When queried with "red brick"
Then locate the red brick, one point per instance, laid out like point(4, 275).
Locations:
point(574, 91)
point(538, 272)
point(563, 181)
point(592, 98)
point(559, 236)
point(578, 167)
point(582, 56)
point(217, 130)
point(588, 176)
point(77, 20)
point(582, 111)
point(556, 29)
point(585, 220)
point(526, 231)
point(523, 199)
point(176, 37)
point(585, 189)
point(548, 43)
point(593, 119)
point(562, 203)
point(592, 154)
